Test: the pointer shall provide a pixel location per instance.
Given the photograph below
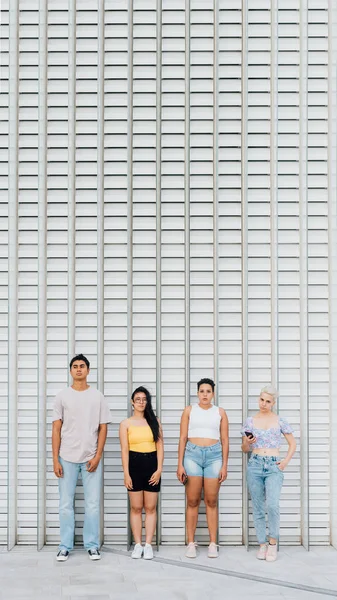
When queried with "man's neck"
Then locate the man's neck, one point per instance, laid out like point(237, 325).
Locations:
point(80, 386)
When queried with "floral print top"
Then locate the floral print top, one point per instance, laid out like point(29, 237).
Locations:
point(267, 438)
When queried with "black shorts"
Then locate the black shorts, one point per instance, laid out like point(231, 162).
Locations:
point(142, 465)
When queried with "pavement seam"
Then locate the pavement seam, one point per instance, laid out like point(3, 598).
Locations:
point(236, 574)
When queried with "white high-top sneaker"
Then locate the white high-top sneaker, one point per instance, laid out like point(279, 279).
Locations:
point(262, 551)
point(148, 552)
point(191, 551)
point(137, 551)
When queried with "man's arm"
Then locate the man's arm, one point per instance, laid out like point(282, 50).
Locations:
point(56, 443)
point(93, 463)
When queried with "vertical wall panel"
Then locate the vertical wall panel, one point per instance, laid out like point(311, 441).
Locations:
point(60, 223)
point(333, 254)
point(258, 192)
point(318, 271)
point(201, 205)
point(8, 277)
point(117, 234)
point(171, 203)
point(303, 278)
point(290, 191)
point(42, 278)
point(230, 241)
point(173, 290)
point(27, 357)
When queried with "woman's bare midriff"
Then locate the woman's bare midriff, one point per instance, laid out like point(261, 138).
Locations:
point(202, 442)
point(267, 451)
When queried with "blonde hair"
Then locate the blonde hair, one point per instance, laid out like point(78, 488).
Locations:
point(271, 390)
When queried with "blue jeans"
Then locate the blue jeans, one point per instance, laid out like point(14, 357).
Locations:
point(92, 495)
point(203, 461)
point(265, 481)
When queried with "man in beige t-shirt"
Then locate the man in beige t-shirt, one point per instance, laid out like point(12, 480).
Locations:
point(80, 419)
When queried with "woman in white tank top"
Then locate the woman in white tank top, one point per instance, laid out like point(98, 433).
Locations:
point(202, 462)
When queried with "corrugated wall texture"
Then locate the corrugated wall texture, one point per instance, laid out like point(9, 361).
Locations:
point(168, 187)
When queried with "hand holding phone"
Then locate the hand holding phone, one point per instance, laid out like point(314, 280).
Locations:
point(251, 439)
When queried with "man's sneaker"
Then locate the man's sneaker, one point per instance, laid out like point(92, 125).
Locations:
point(262, 551)
point(137, 551)
point(213, 550)
point(94, 554)
point(62, 555)
point(271, 553)
point(191, 551)
point(148, 552)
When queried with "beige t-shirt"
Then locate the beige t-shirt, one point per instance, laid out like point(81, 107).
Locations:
point(81, 414)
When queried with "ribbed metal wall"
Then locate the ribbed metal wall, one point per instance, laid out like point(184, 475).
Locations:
point(169, 198)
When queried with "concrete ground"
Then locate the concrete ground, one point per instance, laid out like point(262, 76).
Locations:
point(297, 575)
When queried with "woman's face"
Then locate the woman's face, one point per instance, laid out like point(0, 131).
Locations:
point(266, 402)
point(205, 394)
point(139, 401)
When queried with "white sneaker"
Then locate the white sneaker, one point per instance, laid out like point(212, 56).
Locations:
point(271, 553)
point(191, 551)
point(62, 555)
point(137, 551)
point(148, 552)
point(262, 552)
point(213, 551)
point(94, 554)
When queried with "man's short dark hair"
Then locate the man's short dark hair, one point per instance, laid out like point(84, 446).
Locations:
point(208, 381)
point(80, 357)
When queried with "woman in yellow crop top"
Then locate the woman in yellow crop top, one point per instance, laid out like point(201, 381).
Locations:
point(142, 447)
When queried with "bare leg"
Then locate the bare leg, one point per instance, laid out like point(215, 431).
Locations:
point(150, 505)
point(211, 493)
point(193, 493)
point(136, 502)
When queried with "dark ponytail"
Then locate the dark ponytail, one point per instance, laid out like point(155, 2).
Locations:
point(148, 413)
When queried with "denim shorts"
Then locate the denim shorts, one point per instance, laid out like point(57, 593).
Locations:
point(203, 461)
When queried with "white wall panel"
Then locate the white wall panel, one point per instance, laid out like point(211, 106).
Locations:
point(168, 172)
point(229, 262)
point(174, 103)
point(5, 214)
point(318, 264)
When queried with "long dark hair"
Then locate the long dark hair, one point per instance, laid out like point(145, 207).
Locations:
point(148, 413)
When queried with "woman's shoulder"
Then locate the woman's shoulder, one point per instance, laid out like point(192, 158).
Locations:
point(285, 425)
point(126, 423)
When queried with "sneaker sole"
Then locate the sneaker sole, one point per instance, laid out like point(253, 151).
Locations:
point(213, 556)
point(94, 557)
point(62, 559)
point(148, 557)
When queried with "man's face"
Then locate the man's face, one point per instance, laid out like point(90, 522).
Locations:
point(79, 370)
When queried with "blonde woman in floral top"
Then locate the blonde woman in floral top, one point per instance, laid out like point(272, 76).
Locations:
point(262, 435)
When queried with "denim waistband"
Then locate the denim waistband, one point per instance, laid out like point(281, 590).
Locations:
point(258, 457)
point(211, 447)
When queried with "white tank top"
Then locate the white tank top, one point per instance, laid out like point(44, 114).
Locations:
point(204, 423)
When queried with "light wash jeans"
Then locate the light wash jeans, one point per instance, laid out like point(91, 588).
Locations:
point(265, 481)
point(92, 495)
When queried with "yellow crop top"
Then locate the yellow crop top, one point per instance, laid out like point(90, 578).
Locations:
point(141, 438)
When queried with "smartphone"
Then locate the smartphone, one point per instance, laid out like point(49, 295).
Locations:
point(249, 434)
point(184, 479)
